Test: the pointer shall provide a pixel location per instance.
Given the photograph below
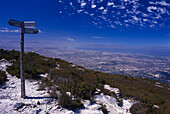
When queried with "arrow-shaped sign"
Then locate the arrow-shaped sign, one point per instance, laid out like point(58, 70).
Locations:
point(30, 31)
point(14, 23)
point(29, 24)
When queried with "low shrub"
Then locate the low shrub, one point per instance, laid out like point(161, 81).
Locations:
point(66, 102)
point(104, 110)
point(3, 77)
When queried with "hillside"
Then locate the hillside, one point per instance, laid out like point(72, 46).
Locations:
point(72, 85)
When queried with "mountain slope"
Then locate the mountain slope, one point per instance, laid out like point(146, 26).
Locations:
point(152, 96)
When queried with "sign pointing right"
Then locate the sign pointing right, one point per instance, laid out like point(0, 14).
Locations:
point(30, 31)
point(29, 24)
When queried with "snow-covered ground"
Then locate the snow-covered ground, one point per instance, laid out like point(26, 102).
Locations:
point(40, 101)
point(115, 90)
point(10, 95)
point(112, 104)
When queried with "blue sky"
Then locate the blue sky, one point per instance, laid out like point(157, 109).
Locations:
point(78, 22)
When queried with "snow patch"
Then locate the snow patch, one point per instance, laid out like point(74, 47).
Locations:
point(112, 104)
point(156, 106)
point(72, 65)
point(3, 64)
point(68, 93)
point(90, 108)
point(44, 75)
point(58, 66)
point(157, 75)
point(158, 85)
point(115, 90)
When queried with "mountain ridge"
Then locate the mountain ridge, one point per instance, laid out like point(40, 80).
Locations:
point(82, 83)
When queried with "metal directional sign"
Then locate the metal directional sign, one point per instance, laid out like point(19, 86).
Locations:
point(30, 31)
point(14, 23)
point(29, 24)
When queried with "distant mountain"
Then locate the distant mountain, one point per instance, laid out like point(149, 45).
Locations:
point(80, 89)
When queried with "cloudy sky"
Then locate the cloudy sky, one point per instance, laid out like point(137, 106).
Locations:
point(77, 22)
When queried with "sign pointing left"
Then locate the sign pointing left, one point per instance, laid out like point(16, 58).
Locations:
point(14, 23)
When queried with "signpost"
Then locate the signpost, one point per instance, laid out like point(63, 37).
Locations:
point(25, 28)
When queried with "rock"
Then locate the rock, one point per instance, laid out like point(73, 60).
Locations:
point(38, 111)
point(68, 93)
point(46, 101)
point(18, 106)
point(58, 107)
point(38, 102)
point(4, 97)
point(34, 106)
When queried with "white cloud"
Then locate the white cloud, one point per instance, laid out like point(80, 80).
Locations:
point(15, 30)
point(96, 37)
point(113, 15)
point(83, 4)
point(163, 3)
point(71, 3)
point(5, 29)
point(39, 30)
point(110, 3)
point(93, 6)
point(70, 39)
point(101, 8)
point(150, 8)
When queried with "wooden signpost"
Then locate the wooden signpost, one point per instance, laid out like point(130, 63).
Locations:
point(25, 28)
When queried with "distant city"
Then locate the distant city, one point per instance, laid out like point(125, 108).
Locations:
point(146, 66)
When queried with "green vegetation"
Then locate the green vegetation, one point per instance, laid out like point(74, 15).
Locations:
point(9, 55)
point(103, 108)
point(34, 65)
point(82, 83)
point(3, 77)
point(66, 101)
